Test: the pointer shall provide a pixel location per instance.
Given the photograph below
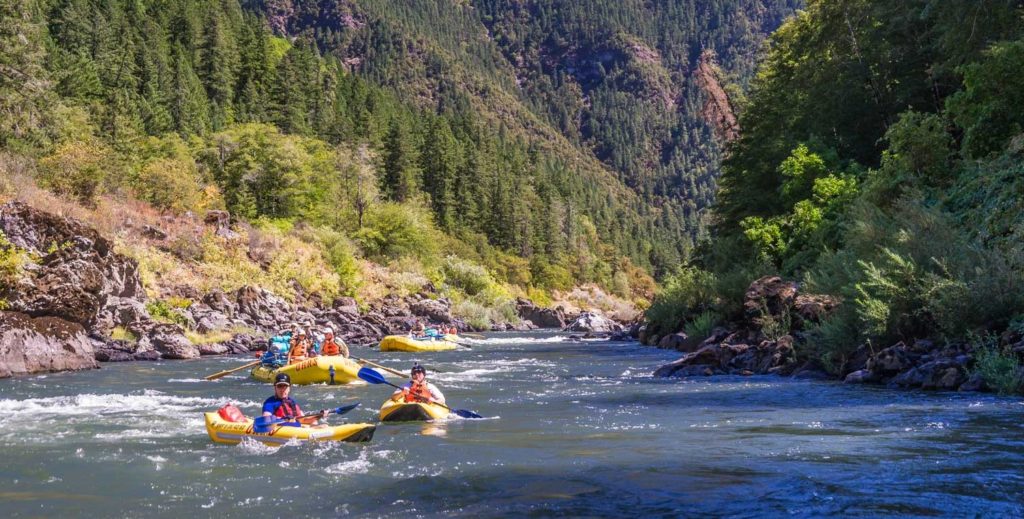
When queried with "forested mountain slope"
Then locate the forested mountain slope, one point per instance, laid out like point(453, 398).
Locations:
point(486, 149)
point(607, 90)
point(879, 164)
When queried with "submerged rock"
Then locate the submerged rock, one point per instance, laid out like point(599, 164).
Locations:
point(42, 344)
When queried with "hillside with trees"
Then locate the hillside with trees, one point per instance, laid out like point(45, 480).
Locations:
point(531, 147)
point(878, 165)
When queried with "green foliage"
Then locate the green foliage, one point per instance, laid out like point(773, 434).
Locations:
point(395, 230)
point(12, 263)
point(774, 327)
point(77, 169)
point(688, 292)
point(166, 311)
point(998, 366)
point(700, 326)
point(990, 108)
point(120, 333)
point(468, 277)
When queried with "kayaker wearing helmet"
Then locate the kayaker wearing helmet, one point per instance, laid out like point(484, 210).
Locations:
point(333, 346)
point(418, 389)
point(281, 404)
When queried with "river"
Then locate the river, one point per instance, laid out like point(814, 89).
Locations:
point(572, 429)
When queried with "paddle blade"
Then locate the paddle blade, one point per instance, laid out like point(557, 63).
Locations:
point(465, 413)
point(346, 408)
point(371, 376)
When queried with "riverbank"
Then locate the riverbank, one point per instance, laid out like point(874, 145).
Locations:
point(72, 296)
point(768, 340)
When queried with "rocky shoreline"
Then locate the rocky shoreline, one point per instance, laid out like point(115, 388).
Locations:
point(776, 317)
point(76, 291)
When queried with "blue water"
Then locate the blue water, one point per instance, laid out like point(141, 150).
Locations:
point(572, 429)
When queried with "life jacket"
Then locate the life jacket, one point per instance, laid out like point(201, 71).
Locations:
point(231, 413)
point(287, 409)
point(418, 393)
point(299, 349)
point(330, 347)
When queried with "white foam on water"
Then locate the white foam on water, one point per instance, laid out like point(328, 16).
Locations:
point(252, 446)
point(515, 340)
point(193, 380)
point(149, 402)
point(360, 465)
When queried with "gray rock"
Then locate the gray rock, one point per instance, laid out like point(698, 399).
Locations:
point(170, 341)
point(862, 376)
point(437, 311)
point(593, 322)
point(42, 344)
point(542, 317)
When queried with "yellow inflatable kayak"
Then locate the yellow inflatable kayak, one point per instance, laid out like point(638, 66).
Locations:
point(406, 343)
point(317, 370)
point(393, 411)
point(223, 431)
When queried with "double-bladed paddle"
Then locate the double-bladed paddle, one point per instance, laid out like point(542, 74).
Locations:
point(373, 377)
point(263, 422)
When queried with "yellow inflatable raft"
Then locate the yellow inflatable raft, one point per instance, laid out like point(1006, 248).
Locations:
point(332, 370)
point(393, 411)
point(223, 431)
point(406, 343)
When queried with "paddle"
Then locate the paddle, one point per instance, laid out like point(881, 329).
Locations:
point(263, 422)
point(385, 368)
point(373, 377)
point(215, 376)
point(472, 335)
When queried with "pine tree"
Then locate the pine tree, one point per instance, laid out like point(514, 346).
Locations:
point(189, 105)
point(24, 83)
point(400, 173)
point(439, 160)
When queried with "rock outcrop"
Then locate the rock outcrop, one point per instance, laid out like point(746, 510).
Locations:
point(42, 344)
point(540, 317)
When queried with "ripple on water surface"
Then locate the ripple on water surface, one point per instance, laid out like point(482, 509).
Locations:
point(574, 428)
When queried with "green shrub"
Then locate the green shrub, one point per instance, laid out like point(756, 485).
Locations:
point(77, 169)
point(468, 277)
point(701, 325)
point(998, 367)
point(774, 327)
point(394, 230)
point(689, 291)
point(121, 334)
point(832, 341)
point(165, 311)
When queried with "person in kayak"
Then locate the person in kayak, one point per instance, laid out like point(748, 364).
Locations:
point(281, 404)
point(332, 346)
point(418, 389)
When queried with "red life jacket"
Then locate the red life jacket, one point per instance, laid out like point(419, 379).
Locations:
point(418, 393)
point(299, 350)
point(288, 409)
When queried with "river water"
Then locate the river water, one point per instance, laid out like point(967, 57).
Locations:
point(572, 429)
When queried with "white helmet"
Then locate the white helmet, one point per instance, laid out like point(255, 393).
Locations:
point(328, 331)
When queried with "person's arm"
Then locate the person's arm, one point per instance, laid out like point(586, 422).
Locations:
point(401, 392)
point(269, 408)
point(343, 348)
point(436, 394)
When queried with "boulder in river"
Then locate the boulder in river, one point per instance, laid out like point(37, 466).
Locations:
point(593, 322)
point(542, 317)
point(42, 344)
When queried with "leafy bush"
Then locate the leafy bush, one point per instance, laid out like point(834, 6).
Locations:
point(394, 230)
point(469, 277)
point(170, 184)
point(833, 340)
point(689, 291)
point(998, 367)
point(121, 334)
point(701, 325)
point(76, 169)
point(165, 311)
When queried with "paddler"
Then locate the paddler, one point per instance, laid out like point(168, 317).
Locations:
point(419, 330)
point(300, 346)
point(281, 404)
point(332, 346)
point(417, 389)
